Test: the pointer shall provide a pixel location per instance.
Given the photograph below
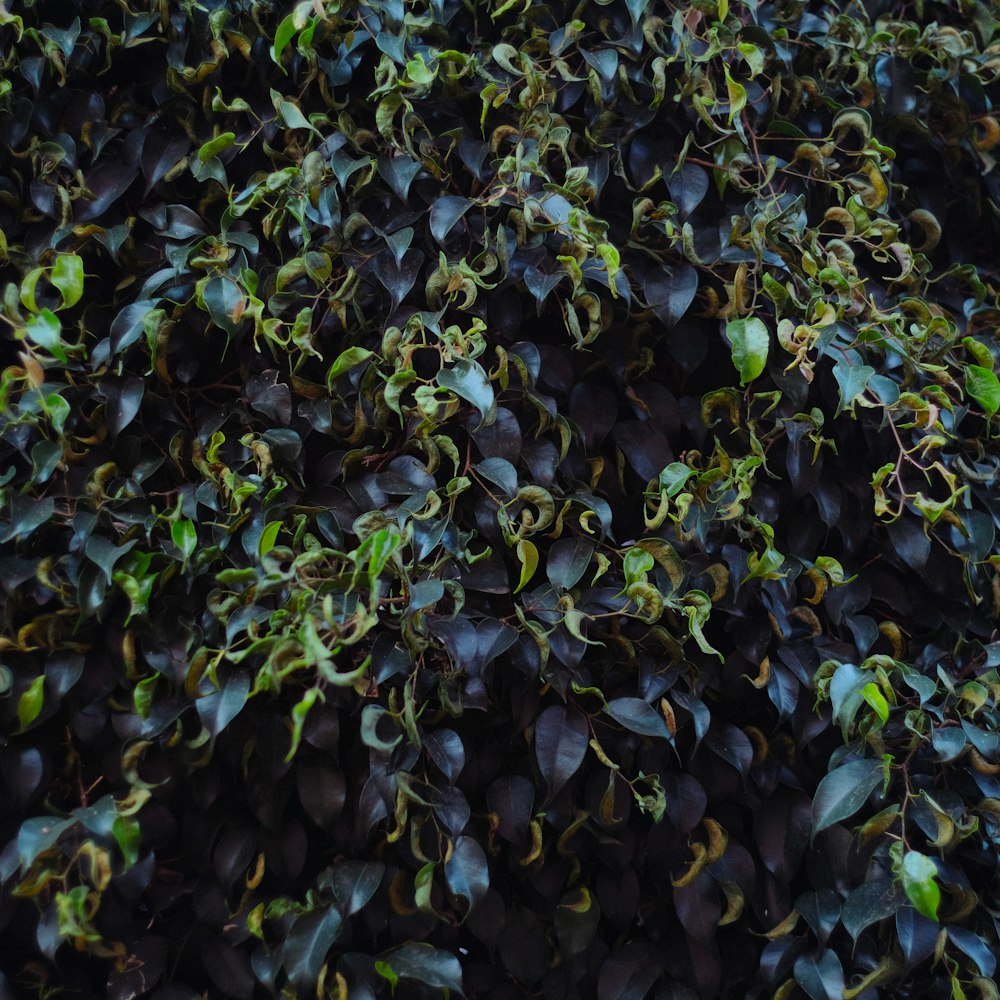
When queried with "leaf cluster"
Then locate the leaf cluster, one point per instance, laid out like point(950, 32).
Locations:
point(499, 499)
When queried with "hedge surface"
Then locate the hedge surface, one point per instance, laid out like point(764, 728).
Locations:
point(499, 499)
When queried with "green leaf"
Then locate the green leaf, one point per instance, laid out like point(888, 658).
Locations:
point(468, 380)
point(636, 564)
point(852, 380)
point(347, 360)
point(284, 35)
point(875, 698)
point(67, 276)
point(844, 791)
point(267, 538)
point(30, 703)
point(215, 146)
point(291, 114)
point(750, 341)
point(184, 535)
point(984, 387)
point(299, 712)
point(45, 330)
point(527, 553)
point(386, 971)
point(142, 696)
point(918, 873)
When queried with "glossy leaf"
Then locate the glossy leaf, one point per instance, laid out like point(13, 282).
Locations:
point(844, 791)
point(308, 943)
point(561, 737)
point(750, 341)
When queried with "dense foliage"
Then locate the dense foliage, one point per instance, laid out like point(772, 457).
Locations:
point(499, 498)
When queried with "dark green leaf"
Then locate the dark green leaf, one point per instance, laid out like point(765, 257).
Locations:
point(638, 717)
point(307, 945)
point(425, 964)
point(670, 291)
point(561, 737)
point(821, 976)
point(844, 791)
point(468, 380)
point(466, 871)
point(445, 212)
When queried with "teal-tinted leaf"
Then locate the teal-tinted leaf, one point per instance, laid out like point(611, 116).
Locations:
point(918, 873)
point(975, 947)
point(45, 330)
point(104, 554)
point(62, 671)
point(688, 185)
point(822, 976)
point(428, 965)
point(37, 835)
point(45, 456)
point(567, 561)
point(561, 736)
point(67, 276)
point(347, 360)
point(468, 380)
point(25, 516)
point(445, 212)
point(123, 398)
point(984, 387)
point(224, 301)
point(673, 478)
point(845, 693)
point(844, 791)
point(870, 902)
point(127, 326)
point(638, 717)
point(466, 871)
point(218, 709)
point(29, 705)
point(425, 594)
point(290, 113)
point(886, 390)
point(750, 341)
point(500, 472)
point(354, 883)
point(852, 379)
point(307, 945)
point(398, 172)
point(399, 242)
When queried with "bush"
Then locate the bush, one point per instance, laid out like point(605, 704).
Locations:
point(499, 499)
